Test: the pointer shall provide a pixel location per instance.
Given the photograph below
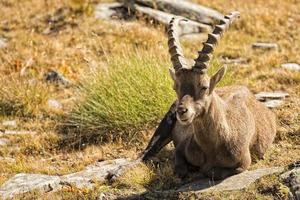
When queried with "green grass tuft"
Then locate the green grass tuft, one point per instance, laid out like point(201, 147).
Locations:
point(131, 95)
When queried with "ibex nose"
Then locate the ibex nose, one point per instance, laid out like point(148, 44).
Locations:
point(181, 110)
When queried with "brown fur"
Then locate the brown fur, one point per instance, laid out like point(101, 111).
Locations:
point(220, 130)
point(222, 140)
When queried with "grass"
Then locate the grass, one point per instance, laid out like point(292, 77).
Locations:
point(130, 95)
point(22, 97)
point(103, 59)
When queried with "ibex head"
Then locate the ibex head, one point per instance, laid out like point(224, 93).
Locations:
point(192, 84)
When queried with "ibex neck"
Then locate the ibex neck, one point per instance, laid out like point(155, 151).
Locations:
point(213, 124)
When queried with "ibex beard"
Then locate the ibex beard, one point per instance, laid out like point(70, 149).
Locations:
point(217, 130)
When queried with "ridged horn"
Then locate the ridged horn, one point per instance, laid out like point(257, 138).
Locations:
point(177, 58)
point(205, 55)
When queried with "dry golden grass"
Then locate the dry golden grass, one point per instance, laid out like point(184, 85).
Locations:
point(83, 44)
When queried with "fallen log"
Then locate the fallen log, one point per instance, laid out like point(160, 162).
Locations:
point(184, 8)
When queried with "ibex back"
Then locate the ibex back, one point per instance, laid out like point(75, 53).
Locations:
point(218, 130)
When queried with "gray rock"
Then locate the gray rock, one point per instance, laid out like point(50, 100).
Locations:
point(273, 103)
point(22, 183)
point(185, 27)
point(4, 141)
point(9, 132)
point(107, 11)
point(291, 66)
point(236, 182)
point(57, 78)
point(54, 104)
point(3, 43)
point(86, 178)
point(263, 96)
point(234, 60)
point(11, 123)
point(292, 180)
point(266, 46)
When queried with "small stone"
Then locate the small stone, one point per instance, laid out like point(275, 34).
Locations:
point(8, 132)
point(263, 96)
point(236, 182)
point(291, 66)
point(11, 123)
point(107, 11)
point(263, 45)
point(57, 78)
point(234, 61)
point(4, 141)
point(273, 103)
point(54, 104)
point(3, 43)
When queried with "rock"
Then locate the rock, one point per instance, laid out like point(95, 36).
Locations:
point(271, 99)
point(262, 45)
point(291, 66)
point(54, 104)
point(236, 182)
point(234, 61)
point(3, 43)
point(86, 178)
point(186, 27)
point(184, 8)
point(292, 180)
point(273, 103)
point(11, 123)
point(4, 141)
point(263, 96)
point(9, 132)
point(57, 78)
point(22, 183)
point(109, 11)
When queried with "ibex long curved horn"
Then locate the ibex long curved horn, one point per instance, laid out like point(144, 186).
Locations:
point(175, 50)
point(205, 55)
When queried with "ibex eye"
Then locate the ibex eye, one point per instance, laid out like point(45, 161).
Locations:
point(204, 88)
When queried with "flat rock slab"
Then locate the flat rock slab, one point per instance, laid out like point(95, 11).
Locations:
point(86, 178)
point(291, 66)
point(22, 183)
point(271, 99)
point(107, 11)
point(266, 46)
point(236, 182)
point(11, 132)
point(234, 61)
point(273, 103)
point(263, 96)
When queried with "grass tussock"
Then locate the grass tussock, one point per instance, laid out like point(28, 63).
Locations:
point(22, 97)
point(133, 92)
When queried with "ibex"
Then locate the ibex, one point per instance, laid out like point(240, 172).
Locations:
point(218, 130)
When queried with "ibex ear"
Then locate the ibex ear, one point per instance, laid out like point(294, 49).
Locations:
point(172, 73)
point(216, 78)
